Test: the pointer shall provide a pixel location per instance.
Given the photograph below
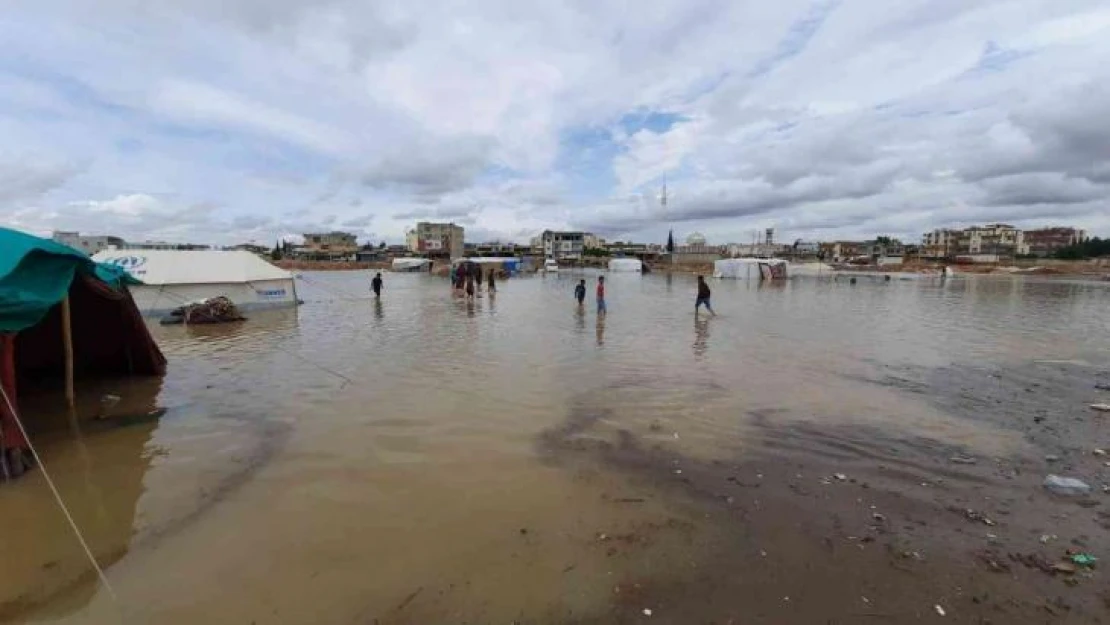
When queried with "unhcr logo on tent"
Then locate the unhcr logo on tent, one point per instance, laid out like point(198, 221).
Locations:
point(130, 264)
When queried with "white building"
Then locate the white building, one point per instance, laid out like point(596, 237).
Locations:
point(563, 245)
point(88, 244)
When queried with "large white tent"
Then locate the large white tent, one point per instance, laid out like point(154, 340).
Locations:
point(172, 278)
point(627, 265)
point(748, 268)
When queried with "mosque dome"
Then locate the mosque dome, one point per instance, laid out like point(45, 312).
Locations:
point(695, 238)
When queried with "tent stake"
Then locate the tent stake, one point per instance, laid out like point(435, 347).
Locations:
point(67, 339)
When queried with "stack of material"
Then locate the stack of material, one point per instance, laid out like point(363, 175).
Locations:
point(212, 310)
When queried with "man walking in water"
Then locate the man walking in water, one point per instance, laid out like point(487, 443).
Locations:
point(703, 297)
point(490, 281)
point(376, 285)
point(580, 292)
point(601, 309)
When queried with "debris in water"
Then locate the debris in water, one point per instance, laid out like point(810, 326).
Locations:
point(647, 612)
point(962, 460)
point(1101, 407)
point(1084, 559)
point(656, 426)
point(676, 435)
point(678, 471)
point(1066, 486)
point(1052, 458)
point(978, 517)
point(1099, 452)
point(1046, 538)
point(840, 477)
point(940, 610)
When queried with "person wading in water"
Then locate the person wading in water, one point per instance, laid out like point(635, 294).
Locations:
point(376, 285)
point(703, 297)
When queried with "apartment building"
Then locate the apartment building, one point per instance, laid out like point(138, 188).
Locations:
point(1045, 242)
point(443, 240)
point(329, 245)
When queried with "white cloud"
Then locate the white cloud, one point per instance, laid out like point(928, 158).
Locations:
point(225, 120)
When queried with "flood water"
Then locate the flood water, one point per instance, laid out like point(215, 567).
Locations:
point(423, 459)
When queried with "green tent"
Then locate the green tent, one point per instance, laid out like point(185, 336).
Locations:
point(36, 274)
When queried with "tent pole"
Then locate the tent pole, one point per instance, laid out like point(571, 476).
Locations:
point(67, 340)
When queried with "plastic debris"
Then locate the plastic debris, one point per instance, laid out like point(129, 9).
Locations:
point(1066, 486)
point(1084, 559)
point(940, 610)
point(1101, 407)
point(1099, 452)
point(978, 517)
point(1047, 538)
point(962, 460)
point(647, 612)
point(1052, 458)
point(840, 477)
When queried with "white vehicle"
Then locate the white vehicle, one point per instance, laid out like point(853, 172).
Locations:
point(550, 266)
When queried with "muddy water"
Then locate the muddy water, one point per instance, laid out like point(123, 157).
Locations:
point(427, 460)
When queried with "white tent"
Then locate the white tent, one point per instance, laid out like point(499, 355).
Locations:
point(172, 278)
point(746, 268)
point(410, 265)
point(623, 265)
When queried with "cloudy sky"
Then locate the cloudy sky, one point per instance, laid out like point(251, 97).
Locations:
point(223, 121)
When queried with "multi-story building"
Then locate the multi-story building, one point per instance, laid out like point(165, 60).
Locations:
point(992, 240)
point(436, 240)
point(1047, 241)
point(329, 245)
point(558, 245)
point(940, 243)
point(89, 245)
point(592, 241)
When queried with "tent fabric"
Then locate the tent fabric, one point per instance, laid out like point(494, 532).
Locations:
point(109, 337)
point(626, 265)
point(749, 268)
point(166, 267)
point(35, 274)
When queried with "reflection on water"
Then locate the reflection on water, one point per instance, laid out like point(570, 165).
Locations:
point(381, 456)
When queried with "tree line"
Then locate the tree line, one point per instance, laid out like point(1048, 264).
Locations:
point(1091, 248)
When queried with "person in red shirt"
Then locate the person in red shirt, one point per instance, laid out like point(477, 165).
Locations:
point(601, 310)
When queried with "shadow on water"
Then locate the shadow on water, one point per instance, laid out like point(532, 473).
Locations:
point(701, 337)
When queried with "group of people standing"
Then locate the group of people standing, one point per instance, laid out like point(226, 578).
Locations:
point(467, 279)
point(580, 295)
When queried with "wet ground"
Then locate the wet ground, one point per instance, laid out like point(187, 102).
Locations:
point(818, 453)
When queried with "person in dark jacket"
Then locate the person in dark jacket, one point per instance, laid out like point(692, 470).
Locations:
point(580, 293)
point(376, 285)
point(703, 297)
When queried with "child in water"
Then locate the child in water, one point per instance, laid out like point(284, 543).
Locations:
point(580, 293)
